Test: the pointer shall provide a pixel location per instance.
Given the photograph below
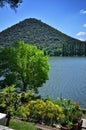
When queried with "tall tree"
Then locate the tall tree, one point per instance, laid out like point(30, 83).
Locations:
point(24, 65)
point(12, 3)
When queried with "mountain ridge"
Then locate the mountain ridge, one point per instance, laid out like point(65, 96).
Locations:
point(36, 32)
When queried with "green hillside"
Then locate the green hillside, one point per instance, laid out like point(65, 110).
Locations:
point(35, 32)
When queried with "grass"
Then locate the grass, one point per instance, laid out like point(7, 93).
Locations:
point(21, 125)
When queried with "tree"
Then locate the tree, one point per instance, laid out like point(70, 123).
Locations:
point(12, 3)
point(11, 102)
point(24, 65)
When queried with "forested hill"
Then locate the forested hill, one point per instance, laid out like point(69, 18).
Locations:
point(35, 32)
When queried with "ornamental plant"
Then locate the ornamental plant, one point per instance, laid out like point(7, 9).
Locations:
point(14, 104)
point(45, 111)
point(71, 111)
point(9, 100)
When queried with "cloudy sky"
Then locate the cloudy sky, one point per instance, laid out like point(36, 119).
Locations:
point(68, 16)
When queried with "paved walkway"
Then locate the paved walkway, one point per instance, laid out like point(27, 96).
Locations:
point(84, 124)
point(4, 128)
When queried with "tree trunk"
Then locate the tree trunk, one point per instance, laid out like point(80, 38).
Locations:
point(24, 84)
point(8, 119)
point(24, 87)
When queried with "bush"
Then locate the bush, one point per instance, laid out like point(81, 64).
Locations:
point(71, 111)
point(45, 111)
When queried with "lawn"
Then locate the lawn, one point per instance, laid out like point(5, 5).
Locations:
point(21, 125)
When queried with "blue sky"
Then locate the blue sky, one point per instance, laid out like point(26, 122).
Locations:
point(67, 16)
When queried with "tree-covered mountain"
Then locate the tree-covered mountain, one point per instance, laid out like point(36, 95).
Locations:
point(35, 32)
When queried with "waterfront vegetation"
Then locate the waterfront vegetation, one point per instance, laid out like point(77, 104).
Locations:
point(29, 108)
point(28, 69)
point(23, 65)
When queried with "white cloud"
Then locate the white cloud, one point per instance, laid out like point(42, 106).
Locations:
point(81, 39)
point(83, 11)
point(84, 25)
point(81, 34)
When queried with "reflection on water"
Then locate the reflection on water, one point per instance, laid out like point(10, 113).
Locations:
point(67, 79)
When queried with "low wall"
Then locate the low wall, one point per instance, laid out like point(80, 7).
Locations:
point(83, 110)
point(2, 119)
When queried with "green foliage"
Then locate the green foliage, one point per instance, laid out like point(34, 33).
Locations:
point(23, 111)
point(69, 124)
point(12, 3)
point(10, 102)
point(45, 111)
point(24, 65)
point(71, 111)
point(38, 110)
point(9, 99)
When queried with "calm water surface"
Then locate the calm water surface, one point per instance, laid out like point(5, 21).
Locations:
point(67, 79)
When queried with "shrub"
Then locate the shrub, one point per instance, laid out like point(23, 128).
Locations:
point(45, 111)
point(71, 111)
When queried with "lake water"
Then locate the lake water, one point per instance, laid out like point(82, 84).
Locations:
point(67, 79)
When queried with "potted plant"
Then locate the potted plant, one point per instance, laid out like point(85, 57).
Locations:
point(72, 115)
point(77, 119)
point(67, 125)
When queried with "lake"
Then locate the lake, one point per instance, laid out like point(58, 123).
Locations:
point(67, 79)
